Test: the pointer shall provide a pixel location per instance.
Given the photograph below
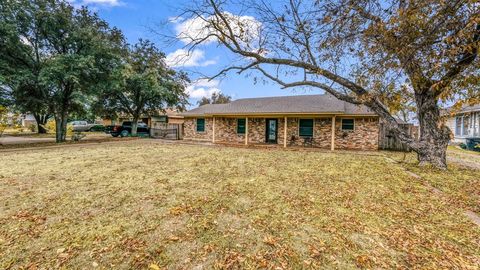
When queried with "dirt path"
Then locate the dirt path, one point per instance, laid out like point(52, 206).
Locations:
point(10, 140)
point(466, 163)
point(52, 145)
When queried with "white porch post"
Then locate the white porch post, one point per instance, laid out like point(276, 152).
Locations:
point(213, 128)
point(246, 131)
point(285, 133)
point(332, 147)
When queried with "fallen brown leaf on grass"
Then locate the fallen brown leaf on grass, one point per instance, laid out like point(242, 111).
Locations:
point(230, 207)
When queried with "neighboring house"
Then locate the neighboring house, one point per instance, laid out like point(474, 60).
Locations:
point(319, 120)
point(465, 123)
point(170, 116)
point(28, 120)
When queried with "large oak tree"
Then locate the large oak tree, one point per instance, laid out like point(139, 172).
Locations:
point(143, 85)
point(22, 58)
point(52, 55)
point(360, 51)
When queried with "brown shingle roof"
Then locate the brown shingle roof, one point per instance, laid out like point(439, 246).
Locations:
point(307, 104)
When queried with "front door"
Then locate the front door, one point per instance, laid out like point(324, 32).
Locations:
point(271, 130)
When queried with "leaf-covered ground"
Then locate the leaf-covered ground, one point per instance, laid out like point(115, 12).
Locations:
point(460, 184)
point(142, 204)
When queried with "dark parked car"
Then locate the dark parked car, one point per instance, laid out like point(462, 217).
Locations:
point(126, 129)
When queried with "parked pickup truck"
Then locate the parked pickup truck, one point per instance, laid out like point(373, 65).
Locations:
point(79, 126)
point(126, 129)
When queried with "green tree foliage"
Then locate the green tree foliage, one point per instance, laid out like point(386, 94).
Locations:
point(3, 119)
point(143, 85)
point(22, 57)
point(5, 98)
point(53, 55)
point(216, 98)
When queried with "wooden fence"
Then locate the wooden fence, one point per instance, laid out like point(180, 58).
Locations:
point(167, 131)
point(388, 140)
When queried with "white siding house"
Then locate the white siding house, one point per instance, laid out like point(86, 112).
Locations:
point(465, 123)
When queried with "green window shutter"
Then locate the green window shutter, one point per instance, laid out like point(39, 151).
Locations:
point(200, 124)
point(348, 124)
point(241, 125)
point(306, 128)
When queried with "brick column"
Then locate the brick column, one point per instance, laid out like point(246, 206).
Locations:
point(246, 131)
point(333, 134)
point(213, 130)
point(285, 133)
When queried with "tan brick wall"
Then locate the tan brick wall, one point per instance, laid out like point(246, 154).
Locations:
point(256, 130)
point(226, 131)
point(190, 130)
point(322, 132)
point(364, 137)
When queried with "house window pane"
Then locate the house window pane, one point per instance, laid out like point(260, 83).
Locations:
point(200, 125)
point(466, 125)
point(458, 126)
point(306, 128)
point(348, 124)
point(241, 126)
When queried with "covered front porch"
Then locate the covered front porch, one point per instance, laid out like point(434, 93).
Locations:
point(318, 131)
point(267, 130)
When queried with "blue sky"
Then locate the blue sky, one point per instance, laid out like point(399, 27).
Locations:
point(136, 18)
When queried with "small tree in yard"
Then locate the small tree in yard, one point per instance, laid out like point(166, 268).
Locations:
point(144, 85)
point(216, 98)
point(363, 52)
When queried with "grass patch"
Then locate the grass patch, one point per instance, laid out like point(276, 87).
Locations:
point(142, 204)
point(461, 182)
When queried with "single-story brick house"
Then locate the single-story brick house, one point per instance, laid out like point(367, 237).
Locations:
point(318, 120)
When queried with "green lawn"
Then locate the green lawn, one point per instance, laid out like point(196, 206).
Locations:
point(142, 204)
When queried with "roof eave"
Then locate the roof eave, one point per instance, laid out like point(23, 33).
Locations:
point(279, 114)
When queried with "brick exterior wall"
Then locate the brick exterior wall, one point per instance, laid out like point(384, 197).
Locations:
point(190, 130)
point(256, 130)
point(364, 137)
point(226, 131)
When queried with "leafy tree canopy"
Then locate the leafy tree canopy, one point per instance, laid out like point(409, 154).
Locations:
point(52, 55)
point(144, 84)
point(216, 98)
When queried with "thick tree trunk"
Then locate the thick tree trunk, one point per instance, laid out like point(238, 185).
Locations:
point(61, 127)
point(431, 147)
point(41, 120)
point(134, 126)
point(434, 135)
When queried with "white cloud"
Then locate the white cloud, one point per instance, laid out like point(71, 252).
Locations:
point(246, 28)
point(202, 88)
point(108, 3)
point(185, 58)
